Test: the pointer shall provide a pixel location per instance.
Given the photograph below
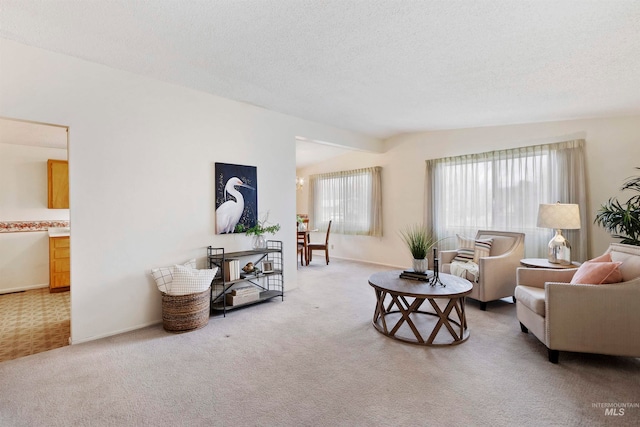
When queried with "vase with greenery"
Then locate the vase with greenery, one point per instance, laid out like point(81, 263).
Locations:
point(622, 220)
point(420, 241)
point(300, 222)
point(259, 230)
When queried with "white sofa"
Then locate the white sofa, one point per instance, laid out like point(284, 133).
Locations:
point(497, 272)
point(602, 319)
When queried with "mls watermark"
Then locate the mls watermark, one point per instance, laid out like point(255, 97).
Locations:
point(615, 409)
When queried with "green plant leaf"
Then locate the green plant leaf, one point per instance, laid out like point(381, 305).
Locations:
point(418, 239)
point(622, 220)
point(261, 227)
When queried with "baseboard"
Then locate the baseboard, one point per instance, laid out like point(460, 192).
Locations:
point(110, 334)
point(23, 288)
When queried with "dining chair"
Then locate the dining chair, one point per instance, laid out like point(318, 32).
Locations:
point(320, 247)
point(301, 252)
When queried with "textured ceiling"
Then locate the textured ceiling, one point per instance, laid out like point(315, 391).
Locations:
point(376, 67)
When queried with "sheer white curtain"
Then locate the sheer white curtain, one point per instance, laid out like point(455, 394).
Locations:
point(501, 190)
point(351, 199)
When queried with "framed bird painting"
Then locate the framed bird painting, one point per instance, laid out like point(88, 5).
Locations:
point(236, 197)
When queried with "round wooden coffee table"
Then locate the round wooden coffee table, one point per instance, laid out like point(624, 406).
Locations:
point(398, 315)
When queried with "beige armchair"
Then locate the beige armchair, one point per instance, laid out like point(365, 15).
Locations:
point(602, 319)
point(497, 272)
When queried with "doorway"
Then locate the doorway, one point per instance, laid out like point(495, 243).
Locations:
point(32, 319)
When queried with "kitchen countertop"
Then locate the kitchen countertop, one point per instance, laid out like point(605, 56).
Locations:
point(59, 231)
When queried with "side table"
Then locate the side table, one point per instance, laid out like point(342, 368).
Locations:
point(544, 263)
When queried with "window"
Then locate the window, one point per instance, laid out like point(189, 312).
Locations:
point(352, 200)
point(501, 190)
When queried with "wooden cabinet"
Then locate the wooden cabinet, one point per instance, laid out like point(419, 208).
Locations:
point(58, 184)
point(59, 264)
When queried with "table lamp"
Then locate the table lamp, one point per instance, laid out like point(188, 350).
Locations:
point(559, 216)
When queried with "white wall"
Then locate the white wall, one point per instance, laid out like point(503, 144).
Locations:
point(612, 152)
point(24, 261)
point(141, 169)
point(24, 256)
point(23, 173)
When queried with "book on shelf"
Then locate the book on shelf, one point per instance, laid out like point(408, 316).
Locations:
point(231, 269)
point(236, 269)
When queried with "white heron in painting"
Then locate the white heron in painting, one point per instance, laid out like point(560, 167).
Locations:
point(228, 214)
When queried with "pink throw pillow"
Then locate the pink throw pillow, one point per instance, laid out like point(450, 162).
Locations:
point(597, 273)
point(602, 258)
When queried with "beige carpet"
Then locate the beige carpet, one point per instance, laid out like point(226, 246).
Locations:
point(32, 322)
point(315, 360)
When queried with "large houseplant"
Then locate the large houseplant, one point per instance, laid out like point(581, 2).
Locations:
point(622, 220)
point(419, 241)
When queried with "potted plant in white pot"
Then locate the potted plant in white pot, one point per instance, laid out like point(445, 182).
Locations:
point(420, 241)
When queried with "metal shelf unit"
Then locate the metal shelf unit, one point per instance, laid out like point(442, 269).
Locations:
point(271, 283)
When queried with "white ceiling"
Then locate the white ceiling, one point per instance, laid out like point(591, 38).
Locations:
point(311, 152)
point(379, 67)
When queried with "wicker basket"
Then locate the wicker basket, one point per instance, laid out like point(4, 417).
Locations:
point(183, 313)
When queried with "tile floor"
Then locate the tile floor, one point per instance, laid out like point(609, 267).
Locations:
point(32, 322)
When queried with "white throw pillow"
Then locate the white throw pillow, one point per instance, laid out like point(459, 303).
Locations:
point(466, 248)
point(472, 249)
point(482, 249)
point(189, 280)
point(163, 275)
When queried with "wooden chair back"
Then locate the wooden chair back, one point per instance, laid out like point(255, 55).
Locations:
point(326, 242)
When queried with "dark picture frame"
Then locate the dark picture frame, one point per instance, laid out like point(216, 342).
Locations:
point(236, 190)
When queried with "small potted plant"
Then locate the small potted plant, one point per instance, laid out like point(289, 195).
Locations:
point(259, 230)
point(419, 241)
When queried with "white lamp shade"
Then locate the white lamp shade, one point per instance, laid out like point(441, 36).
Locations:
point(559, 216)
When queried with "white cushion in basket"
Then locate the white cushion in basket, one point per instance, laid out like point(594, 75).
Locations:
point(163, 275)
point(189, 280)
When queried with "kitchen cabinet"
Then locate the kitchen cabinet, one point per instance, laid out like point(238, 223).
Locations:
point(57, 184)
point(59, 264)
